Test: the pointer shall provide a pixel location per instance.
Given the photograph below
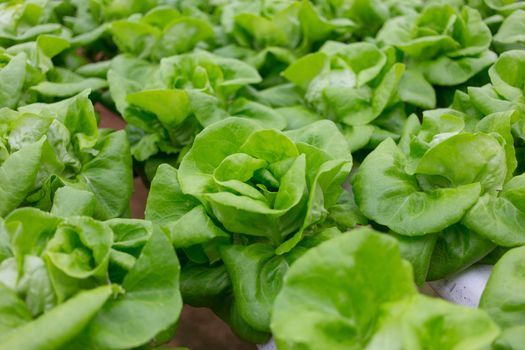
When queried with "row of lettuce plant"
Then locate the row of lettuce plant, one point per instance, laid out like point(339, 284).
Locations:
point(268, 132)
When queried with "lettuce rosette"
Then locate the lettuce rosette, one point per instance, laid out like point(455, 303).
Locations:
point(301, 26)
point(40, 54)
point(356, 292)
point(245, 202)
point(28, 73)
point(160, 33)
point(368, 16)
point(44, 147)
point(263, 28)
point(24, 21)
point(447, 190)
point(444, 45)
point(89, 20)
point(167, 104)
point(33, 71)
point(71, 281)
point(354, 85)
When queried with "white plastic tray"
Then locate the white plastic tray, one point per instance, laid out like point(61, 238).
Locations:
point(464, 288)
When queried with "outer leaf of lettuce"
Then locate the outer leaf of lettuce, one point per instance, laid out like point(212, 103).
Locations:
point(181, 216)
point(414, 89)
point(502, 124)
point(331, 310)
point(502, 298)
point(418, 252)
point(254, 292)
point(109, 176)
point(35, 285)
point(511, 338)
point(456, 249)
point(256, 274)
point(305, 69)
point(500, 218)
point(17, 176)
point(12, 77)
point(175, 37)
point(486, 162)
point(507, 76)
point(388, 195)
point(134, 37)
point(66, 89)
point(448, 46)
point(510, 34)
point(434, 323)
point(151, 302)
point(204, 286)
point(128, 74)
point(447, 71)
point(170, 106)
point(60, 325)
point(333, 297)
point(166, 202)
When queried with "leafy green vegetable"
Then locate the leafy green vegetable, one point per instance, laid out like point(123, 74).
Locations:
point(74, 280)
point(502, 300)
point(448, 46)
point(150, 305)
point(267, 186)
point(281, 168)
point(248, 202)
point(386, 193)
point(49, 146)
point(418, 251)
point(439, 179)
point(26, 21)
point(498, 217)
point(160, 33)
point(505, 92)
point(355, 292)
point(456, 249)
point(353, 84)
point(166, 104)
point(510, 34)
point(61, 324)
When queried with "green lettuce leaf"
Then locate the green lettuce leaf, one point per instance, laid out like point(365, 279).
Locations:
point(499, 217)
point(387, 194)
point(60, 325)
point(330, 299)
point(151, 302)
point(503, 302)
